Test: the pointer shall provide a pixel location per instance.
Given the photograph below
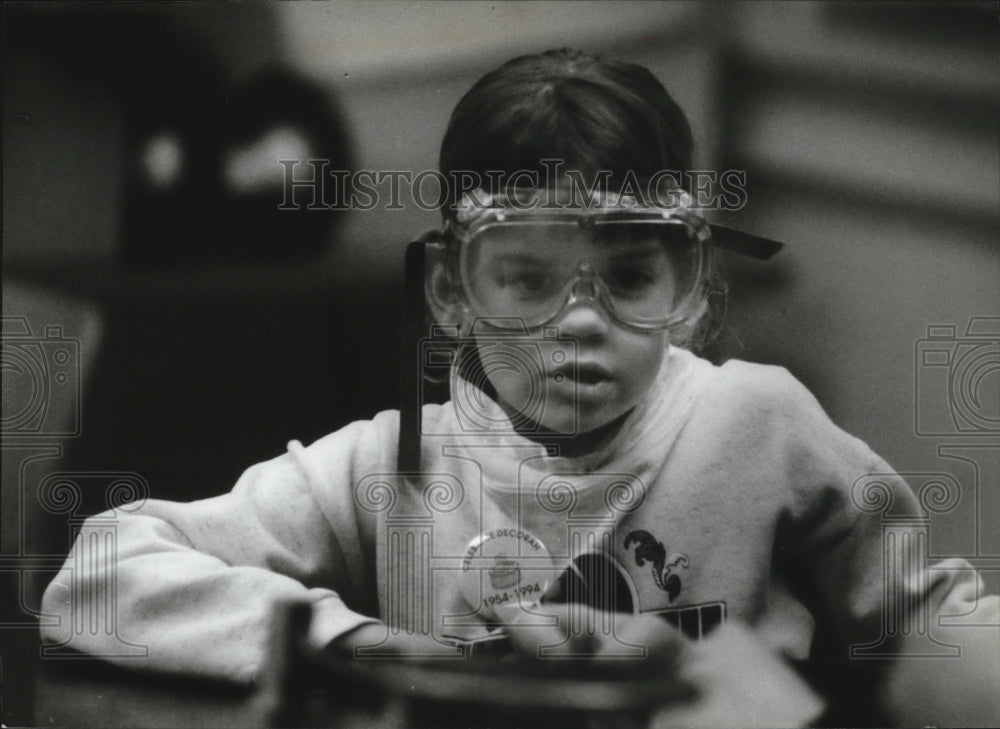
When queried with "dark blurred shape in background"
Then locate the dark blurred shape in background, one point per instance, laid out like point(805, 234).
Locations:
point(207, 185)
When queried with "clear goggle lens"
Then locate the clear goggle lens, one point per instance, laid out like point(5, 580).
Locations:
point(646, 271)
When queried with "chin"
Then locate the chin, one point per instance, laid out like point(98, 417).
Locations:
point(578, 420)
point(589, 425)
point(562, 423)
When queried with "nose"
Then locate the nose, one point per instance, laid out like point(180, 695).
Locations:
point(583, 321)
point(585, 285)
point(584, 316)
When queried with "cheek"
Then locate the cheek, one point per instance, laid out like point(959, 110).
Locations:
point(642, 363)
point(516, 373)
point(514, 388)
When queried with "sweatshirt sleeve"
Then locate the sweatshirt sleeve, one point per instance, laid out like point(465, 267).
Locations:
point(855, 541)
point(192, 585)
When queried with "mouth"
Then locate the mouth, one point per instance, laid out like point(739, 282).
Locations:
point(583, 374)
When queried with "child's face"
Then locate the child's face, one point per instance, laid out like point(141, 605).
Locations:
point(590, 368)
point(606, 284)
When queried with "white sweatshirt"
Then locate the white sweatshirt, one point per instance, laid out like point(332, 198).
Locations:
point(729, 496)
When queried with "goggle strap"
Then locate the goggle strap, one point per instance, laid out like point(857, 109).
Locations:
point(410, 370)
point(745, 244)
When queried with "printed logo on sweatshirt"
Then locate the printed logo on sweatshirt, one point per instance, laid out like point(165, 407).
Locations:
point(695, 621)
point(664, 567)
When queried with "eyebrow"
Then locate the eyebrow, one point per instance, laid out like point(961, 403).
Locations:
point(648, 248)
point(523, 258)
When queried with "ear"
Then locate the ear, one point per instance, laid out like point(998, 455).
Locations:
point(443, 296)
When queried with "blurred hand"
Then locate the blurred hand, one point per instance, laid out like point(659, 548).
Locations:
point(564, 630)
point(390, 643)
point(740, 682)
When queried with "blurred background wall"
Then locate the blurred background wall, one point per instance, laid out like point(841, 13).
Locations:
point(140, 153)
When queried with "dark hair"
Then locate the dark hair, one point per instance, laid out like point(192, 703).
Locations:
point(590, 112)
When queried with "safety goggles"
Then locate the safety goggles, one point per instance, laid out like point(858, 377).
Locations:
point(522, 260)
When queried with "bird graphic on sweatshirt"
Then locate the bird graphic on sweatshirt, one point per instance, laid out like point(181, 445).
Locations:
point(649, 549)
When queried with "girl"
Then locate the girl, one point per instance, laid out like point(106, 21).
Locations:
point(586, 453)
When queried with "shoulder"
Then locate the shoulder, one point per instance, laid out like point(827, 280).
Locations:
point(360, 447)
point(339, 458)
point(766, 395)
point(364, 441)
point(765, 411)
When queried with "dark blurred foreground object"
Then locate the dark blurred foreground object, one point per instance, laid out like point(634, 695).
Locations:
point(313, 688)
point(739, 684)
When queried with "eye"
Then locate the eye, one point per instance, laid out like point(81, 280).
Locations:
point(632, 279)
point(523, 282)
